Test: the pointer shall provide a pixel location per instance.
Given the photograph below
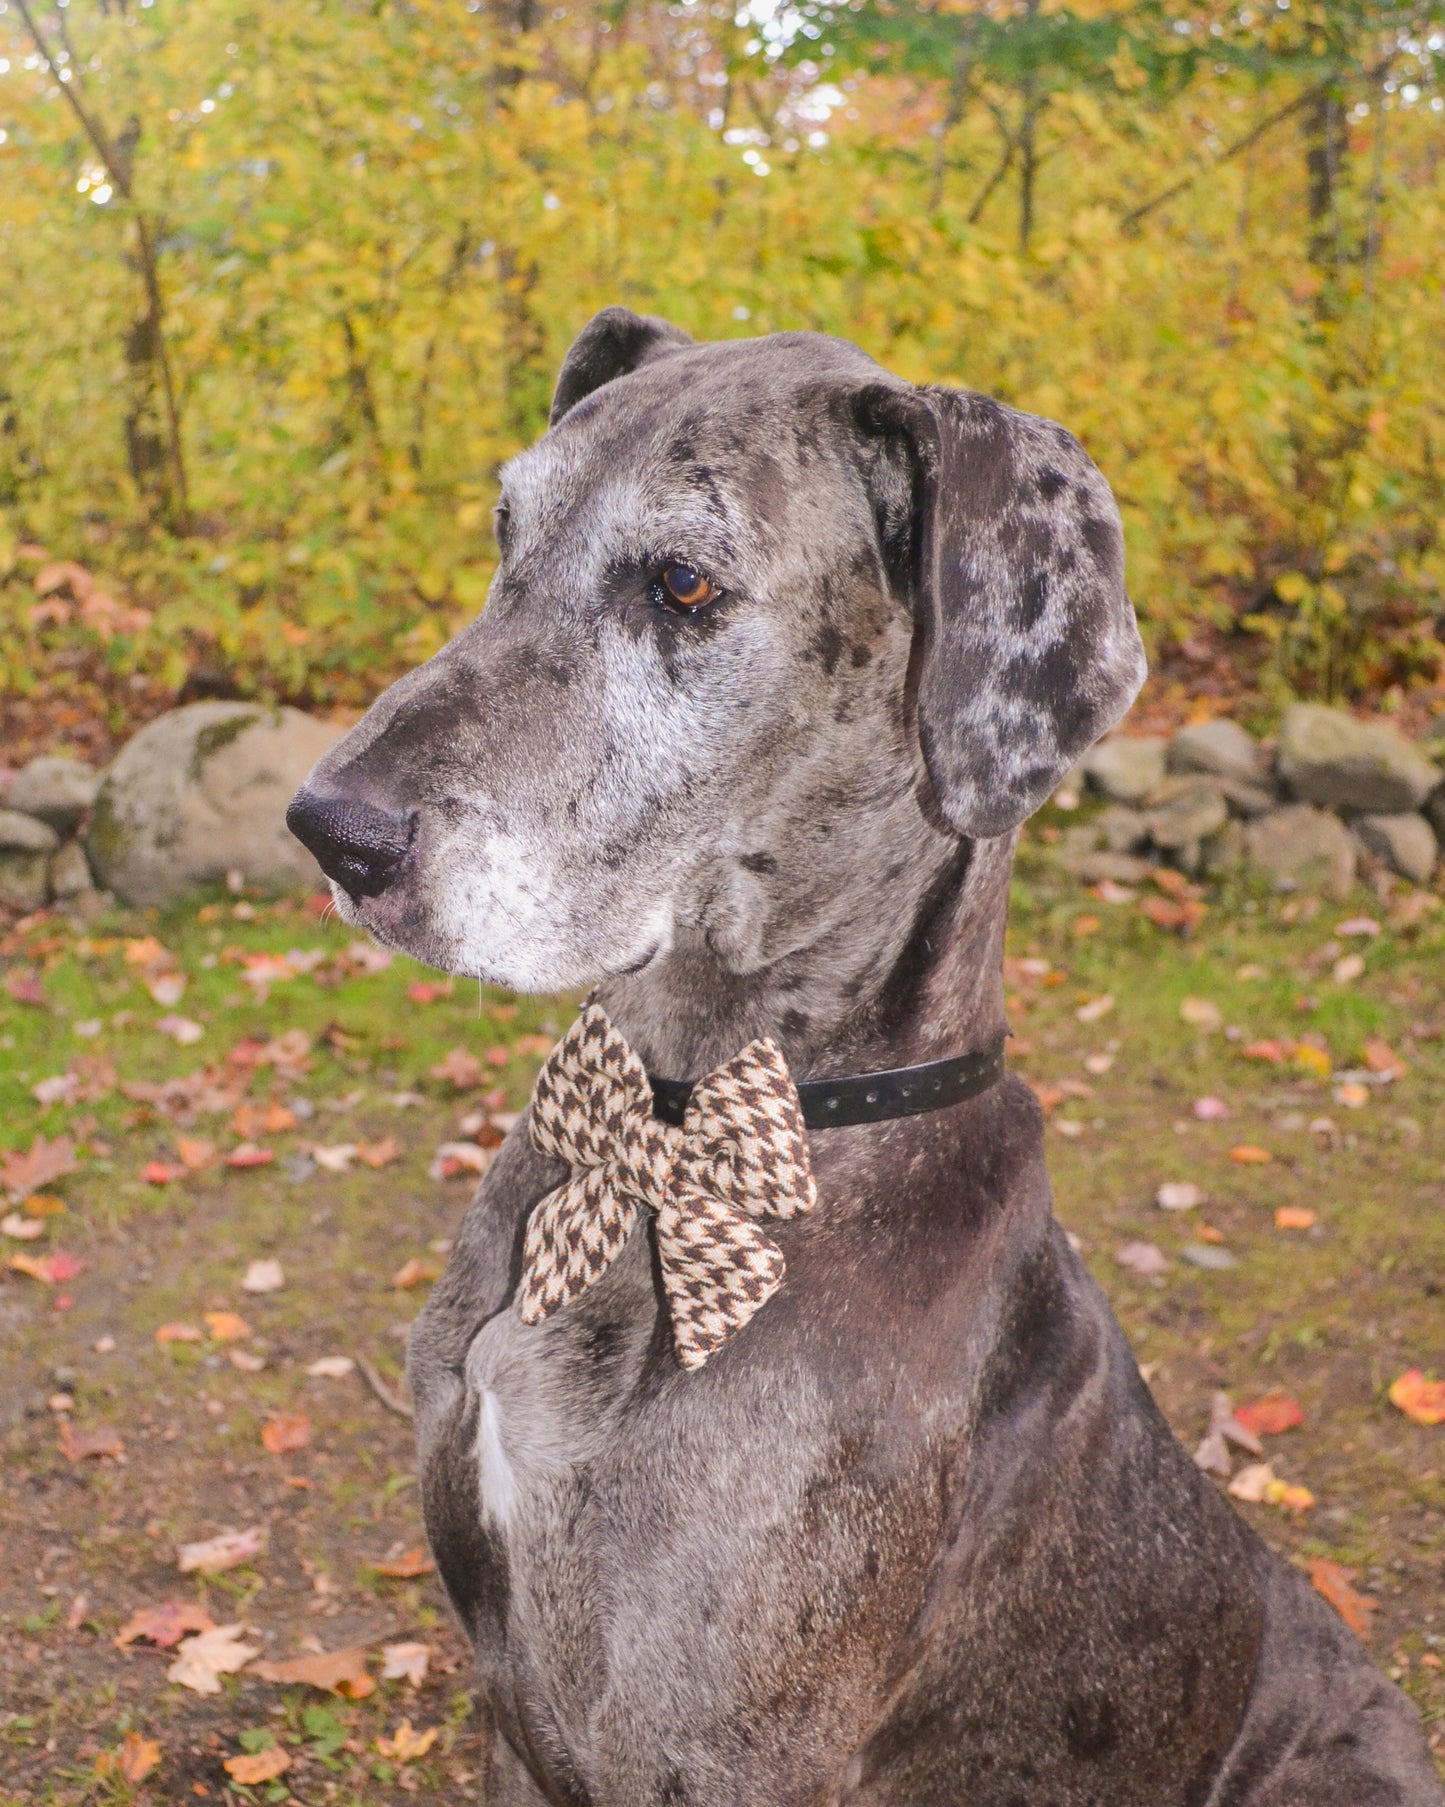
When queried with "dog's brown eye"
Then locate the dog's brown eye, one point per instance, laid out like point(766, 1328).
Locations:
point(687, 587)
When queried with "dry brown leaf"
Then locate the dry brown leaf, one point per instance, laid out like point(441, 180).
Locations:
point(463, 1070)
point(378, 1154)
point(25, 1171)
point(1333, 1581)
point(195, 1153)
point(99, 1440)
point(202, 1660)
point(415, 1271)
point(214, 1555)
point(258, 1766)
point(165, 1624)
point(405, 1662)
point(289, 1431)
point(179, 1333)
point(338, 1671)
point(1270, 1416)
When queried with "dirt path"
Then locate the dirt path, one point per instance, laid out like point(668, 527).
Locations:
point(340, 1051)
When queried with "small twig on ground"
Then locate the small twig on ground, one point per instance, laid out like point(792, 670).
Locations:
point(392, 1400)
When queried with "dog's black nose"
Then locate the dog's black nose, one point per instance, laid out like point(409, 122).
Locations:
point(357, 844)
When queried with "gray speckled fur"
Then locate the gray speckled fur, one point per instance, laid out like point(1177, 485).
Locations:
point(917, 1534)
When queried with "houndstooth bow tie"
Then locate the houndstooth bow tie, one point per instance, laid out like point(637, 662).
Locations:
point(742, 1152)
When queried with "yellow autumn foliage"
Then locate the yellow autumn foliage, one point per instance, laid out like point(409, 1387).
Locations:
point(376, 228)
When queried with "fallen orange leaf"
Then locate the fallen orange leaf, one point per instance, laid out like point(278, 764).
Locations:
point(1294, 1217)
point(1247, 1153)
point(161, 1173)
point(23, 1172)
point(462, 1069)
point(247, 1154)
point(179, 1333)
point(1333, 1581)
point(164, 1625)
point(1269, 1416)
point(1418, 1398)
point(1380, 1057)
point(216, 1554)
point(100, 1440)
point(134, 1761)
point(414, 1272)
point(1275, 1052)
point(258, 1766)
point(195, 1153)
point(407, 1566)
point(51, 1270)
point(378, 1154)
point(338, 1671)
point(406, 1745)
point(291, 1431)
point(226, 1326)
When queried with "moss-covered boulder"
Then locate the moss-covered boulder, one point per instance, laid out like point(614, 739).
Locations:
point(201, 792)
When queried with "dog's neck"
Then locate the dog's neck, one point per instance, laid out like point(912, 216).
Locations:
point(916, 980)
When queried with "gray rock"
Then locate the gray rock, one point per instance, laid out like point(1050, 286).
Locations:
point(1221, 747)
point(1299, 846)
point(69, 872)
point(1247, 800)
point(1222, 852)
point(1120, 830)
point(59, 791)
point(23, 879)
point(1326, 756)
point(1122, 868)
point(1125, 768)
point(1406, 843)
point(200, 792)
point(21, 833)
point(1187, 812)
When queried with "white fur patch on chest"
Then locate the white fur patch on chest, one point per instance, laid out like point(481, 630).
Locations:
point(497, 1477)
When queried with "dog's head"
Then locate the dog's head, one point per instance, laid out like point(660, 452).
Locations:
point(765, 616)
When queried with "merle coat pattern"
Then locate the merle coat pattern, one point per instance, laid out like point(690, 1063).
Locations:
point(917, 1534)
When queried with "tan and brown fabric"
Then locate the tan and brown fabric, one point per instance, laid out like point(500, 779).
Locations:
point(742, 1153)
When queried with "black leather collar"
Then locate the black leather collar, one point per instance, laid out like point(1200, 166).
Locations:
point(867, 1097)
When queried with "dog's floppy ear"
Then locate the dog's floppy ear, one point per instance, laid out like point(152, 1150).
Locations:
point(611, 344)
point(1027, 649)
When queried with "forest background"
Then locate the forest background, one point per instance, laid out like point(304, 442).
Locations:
point(281, 287)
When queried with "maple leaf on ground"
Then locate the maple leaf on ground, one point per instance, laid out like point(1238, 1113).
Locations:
point(1333, 1581)
point(195, 1153)
point(202, 1660)
point(1381, 1058)
point(1270, 1416)
point(405, 1662)
point(428, 991)
point(167, 989)
point(99, 1440)
point(406, 1745)
point(337, 1672)
point(334, 1157)
point(162, 1173)
point(1276, 1052)
point(378, 1154)
point(1184, 914)
point(136, 1759)
point(286, 1432)
point(1294, 1217)
point(1249, 1155)
point(164, 1625)
point(264, 1276)
point(179, 1333)
point(215, 1555)
point(258, 1766)
point(405, 1565)
point(33, 1169)
point(1201, 1013)
point(463, 1070)
point(1420, 1399)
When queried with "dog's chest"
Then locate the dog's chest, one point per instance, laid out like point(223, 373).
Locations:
point(673, 1555)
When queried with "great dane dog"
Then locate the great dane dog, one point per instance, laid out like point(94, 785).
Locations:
point(780, 653)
